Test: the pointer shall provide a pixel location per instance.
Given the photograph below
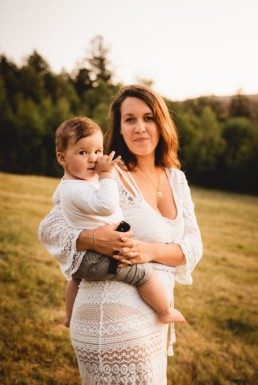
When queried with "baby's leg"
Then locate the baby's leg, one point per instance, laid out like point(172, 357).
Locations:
point(71, 290)
point(154, 294)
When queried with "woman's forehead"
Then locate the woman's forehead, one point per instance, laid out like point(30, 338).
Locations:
point(132, 104)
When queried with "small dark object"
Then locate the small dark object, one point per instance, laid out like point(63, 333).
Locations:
point(123, 227)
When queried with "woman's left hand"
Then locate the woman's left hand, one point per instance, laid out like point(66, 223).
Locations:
point(138, 253)
point(169, 254)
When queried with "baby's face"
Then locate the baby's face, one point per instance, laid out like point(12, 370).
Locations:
point(81, 157)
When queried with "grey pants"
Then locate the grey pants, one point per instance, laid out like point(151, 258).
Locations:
point(94, 267)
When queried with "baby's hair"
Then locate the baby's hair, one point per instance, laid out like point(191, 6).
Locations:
point(74, 129)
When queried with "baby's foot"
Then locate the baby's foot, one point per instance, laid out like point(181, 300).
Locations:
point(172, 316)
point(67, 323)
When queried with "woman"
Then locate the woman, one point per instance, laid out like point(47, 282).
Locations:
point(116, 336)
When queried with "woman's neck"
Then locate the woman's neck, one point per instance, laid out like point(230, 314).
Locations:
point(146, 164)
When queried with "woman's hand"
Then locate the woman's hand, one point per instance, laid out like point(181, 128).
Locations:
point(105, 240)
point(139, 252)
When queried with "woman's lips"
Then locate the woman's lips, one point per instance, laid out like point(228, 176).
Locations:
point(140, 139)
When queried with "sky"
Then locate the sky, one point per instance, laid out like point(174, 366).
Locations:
point(188, 48)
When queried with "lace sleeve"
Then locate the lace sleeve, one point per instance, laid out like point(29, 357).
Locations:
point(60, 241)
point(191, 242)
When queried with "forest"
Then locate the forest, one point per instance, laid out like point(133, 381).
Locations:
point(218, 135)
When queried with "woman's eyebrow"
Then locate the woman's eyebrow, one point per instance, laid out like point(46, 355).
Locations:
point(145, 114)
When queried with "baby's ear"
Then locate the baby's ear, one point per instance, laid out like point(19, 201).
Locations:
point(60, 156)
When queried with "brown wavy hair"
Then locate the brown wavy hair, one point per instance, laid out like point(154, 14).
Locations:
point(74, 129)
point(166, 152)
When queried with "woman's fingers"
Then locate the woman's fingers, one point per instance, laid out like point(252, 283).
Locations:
point(124, 243)
point(133, 254)
point(129, 254)
point(126, 240)
point(129, 261)
point(128, 245)
point(126, 257)
point(124, 262)
point(128, 249)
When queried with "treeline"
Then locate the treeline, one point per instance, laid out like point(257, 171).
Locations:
point(218, 136)
point(219, 141)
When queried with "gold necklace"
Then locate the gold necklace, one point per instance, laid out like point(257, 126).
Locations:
point(158, 192)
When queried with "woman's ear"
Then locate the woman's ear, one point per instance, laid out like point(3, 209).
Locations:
point(60, 156)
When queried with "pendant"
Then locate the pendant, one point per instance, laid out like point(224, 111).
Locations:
point(159, 194)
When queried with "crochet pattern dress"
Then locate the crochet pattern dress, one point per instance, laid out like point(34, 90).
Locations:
point(115, 334)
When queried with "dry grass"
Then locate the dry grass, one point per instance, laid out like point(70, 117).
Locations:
point(219, 343)
point(35, 347)
point(218, 346)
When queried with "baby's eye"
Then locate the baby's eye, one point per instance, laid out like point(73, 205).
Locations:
point(83, 152)
point(98, 152)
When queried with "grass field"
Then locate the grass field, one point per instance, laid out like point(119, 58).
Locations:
point(218, 345)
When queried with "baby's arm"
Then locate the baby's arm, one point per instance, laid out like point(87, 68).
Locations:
point(105, 200)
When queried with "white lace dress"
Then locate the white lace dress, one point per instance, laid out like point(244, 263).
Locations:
point(116, 336)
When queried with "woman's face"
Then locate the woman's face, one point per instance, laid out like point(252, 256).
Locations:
point(138, 127)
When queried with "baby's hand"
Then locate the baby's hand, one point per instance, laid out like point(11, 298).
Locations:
point(106, 163)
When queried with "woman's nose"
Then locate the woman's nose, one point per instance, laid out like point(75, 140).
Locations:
point(140, 126)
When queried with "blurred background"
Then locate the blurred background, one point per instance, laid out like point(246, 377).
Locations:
point(59, 59)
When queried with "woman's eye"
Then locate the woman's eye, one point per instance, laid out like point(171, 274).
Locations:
point(130, 120)
point(148, 118)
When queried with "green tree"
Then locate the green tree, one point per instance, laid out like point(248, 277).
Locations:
point(99, 62)
point(187, 124)
point(40, 65)
point(82, 81)
point(24, 138)
point(203, 146)
point(31, 84)
point(97, 101)
point(240, 155)
point(239, 106)
point(209, 144)
point(11, 78)
point(6, 125)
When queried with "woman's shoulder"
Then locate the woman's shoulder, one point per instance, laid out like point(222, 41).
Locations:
point(176, 174)
point(178, 181)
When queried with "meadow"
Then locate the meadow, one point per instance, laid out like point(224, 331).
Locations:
point(218, 345)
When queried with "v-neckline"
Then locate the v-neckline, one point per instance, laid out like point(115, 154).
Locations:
point(133, 185)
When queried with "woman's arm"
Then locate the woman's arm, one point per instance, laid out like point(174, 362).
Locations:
point(68, 245)
point(141, 252)
point(105, 240)
point(167, 254)
point(191, 241)
point(58, 237)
